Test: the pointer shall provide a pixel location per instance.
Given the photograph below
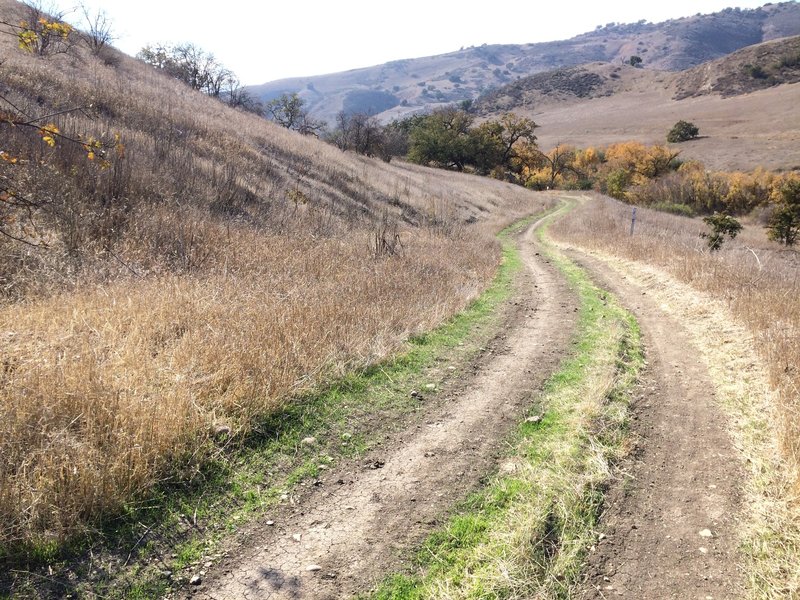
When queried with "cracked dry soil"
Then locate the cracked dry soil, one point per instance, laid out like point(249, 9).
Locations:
point(341, 538)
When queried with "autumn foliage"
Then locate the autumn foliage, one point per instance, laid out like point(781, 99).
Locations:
point(653, 175)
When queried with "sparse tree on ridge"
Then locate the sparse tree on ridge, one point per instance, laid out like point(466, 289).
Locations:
point(288, 110)
point(197, 68)
point(236, 96)
point(98, 29)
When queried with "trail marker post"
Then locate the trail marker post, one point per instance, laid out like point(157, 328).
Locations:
point(633, 220)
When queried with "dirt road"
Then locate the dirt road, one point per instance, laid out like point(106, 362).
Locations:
point(342, 538)
point(669, 525)
point(669, 528)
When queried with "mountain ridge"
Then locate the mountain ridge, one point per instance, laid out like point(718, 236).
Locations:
point(401, 87)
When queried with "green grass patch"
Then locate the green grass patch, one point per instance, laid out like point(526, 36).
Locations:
point(183, 522)
point(527, 532)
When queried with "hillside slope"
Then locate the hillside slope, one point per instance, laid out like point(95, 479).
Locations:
point(745, 120)
point(750, 69)
point(171, 269)
point(399, 87)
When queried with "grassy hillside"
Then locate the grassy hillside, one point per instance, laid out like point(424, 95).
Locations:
point(400, 87)
point(745, 121)
point(753, 68)
point(173, 270)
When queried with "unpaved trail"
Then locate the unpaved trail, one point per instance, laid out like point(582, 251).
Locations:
point(669, 526)
point(344, 536)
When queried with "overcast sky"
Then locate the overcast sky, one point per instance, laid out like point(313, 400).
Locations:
point(267, 40)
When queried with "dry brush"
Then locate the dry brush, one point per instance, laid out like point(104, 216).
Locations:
point(210, 269)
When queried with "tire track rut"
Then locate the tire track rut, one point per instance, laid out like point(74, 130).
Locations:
point(670, 523)
point(343, 537)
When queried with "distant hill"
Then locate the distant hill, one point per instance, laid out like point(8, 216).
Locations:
point(744, 103)
point(753, 68)
point(405, 86)
point(748, 70)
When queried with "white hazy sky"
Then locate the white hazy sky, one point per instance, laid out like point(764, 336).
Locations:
point(267, 40)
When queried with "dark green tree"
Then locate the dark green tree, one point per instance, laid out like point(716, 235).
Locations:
point(442, 138)
point(682, 131)
point(635, 61)
point(721, 225)
point(486, 146)
point(784, 225)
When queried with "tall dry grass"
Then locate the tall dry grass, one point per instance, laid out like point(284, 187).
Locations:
point(104, 388)
point(219, 268)
point(759, 280)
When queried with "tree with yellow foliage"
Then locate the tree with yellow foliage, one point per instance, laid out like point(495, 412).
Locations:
point(40, 33)
point(641, 161)
point(18, 207)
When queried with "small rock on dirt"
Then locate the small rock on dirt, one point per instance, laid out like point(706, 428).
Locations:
point(313, 568)
point(309, 441)
point(195, 580)
point(221, 430)
point(297, 537)
point(706, 533)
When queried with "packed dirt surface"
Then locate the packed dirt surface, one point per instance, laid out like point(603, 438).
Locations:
point(669, 525)
point(345, 535)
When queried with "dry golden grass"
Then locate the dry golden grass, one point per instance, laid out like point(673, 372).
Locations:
point(102, 387)
point(738, 134)
point(220, 268)
point(757, 280)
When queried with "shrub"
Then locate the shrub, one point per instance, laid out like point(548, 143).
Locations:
point(784, 225)
point(682, 131)
point(756, 71)
point(790, 61)
point(721, 225)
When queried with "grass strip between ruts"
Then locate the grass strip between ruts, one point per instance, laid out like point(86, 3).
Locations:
point(526, 534)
